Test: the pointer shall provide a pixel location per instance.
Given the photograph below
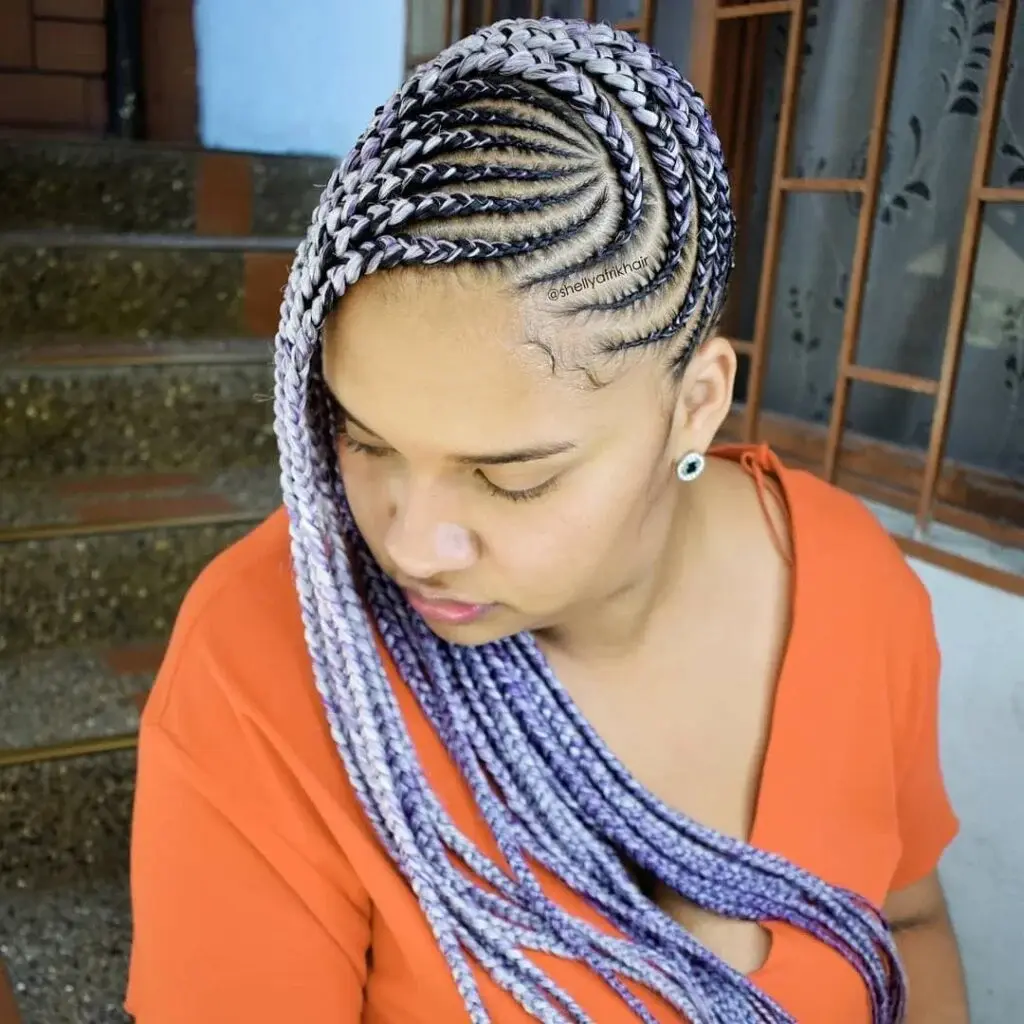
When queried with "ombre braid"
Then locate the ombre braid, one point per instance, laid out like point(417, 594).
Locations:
point(545, 149)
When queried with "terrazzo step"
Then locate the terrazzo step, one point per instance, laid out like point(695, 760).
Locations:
point(117, 502)
point(96, 409)
point(57, 286)
point(73, 696)
point(110, 566)
point(65, 916)
point(86, 352)
point(116, 186)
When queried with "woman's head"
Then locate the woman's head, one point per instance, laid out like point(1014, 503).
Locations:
point(477, 472)
point(568, 218)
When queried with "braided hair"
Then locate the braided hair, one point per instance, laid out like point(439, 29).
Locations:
point(541, 150)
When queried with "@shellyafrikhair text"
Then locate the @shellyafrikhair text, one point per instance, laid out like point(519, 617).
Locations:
point(608, 274)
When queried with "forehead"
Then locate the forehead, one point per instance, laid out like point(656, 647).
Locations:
point(447, 349)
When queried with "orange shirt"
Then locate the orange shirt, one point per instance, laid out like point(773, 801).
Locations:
point(261, 894)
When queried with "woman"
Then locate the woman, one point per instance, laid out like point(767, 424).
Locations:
point(628, 730)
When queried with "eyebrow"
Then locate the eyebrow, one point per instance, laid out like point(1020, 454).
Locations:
point(533, 453)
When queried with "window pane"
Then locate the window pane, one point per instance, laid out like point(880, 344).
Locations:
point(512, 9)
point(757, 186)
point(1008, 155)
point(932, 133)
point(564, 8)
point(987, 423)
point(672, 32)
point(426, 28)
point(619, 10)
point(739, 391)
point(890, 415)
point(839, 65)
point(810, 297)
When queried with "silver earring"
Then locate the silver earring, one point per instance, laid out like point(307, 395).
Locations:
point(690, 466)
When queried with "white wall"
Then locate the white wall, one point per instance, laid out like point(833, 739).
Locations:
point(294, 76)
point(981, 634)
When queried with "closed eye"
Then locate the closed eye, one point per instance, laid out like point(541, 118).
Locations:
point(363, 449)
point(526, 494)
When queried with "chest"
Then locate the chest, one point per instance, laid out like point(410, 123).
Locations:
point(694, 729)
point(694, 734)
point(777, 769)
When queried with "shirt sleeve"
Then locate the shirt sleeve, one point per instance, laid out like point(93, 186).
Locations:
point(241, 911)
point(927, 822)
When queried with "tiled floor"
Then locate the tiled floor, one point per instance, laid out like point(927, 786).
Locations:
point(951, 540)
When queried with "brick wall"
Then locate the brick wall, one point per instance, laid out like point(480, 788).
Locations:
point(53, 63)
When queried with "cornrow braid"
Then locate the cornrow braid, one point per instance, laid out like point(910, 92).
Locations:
point(565, 145)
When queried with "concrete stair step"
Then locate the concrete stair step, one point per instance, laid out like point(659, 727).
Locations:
point(134, 187)
point(117, 574)
point(73, 697)
point(65, 916)
point(81, 351)
point(59, 286)
point(91, 410)
point(120, 502)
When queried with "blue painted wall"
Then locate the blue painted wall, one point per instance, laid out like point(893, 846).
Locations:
point(294, 76)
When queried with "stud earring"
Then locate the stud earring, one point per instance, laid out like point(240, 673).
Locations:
point(690, 466)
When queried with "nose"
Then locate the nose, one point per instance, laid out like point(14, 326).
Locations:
point(424, 539)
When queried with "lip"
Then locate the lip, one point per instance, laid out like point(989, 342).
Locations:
point(442, 610)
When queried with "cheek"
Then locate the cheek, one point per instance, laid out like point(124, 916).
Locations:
point(589, 532)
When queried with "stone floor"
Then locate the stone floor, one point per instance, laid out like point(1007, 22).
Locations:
point(65, 923)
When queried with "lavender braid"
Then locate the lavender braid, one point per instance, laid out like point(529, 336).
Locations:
point(549, 148)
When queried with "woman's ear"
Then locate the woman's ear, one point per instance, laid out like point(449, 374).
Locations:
point(704, 397)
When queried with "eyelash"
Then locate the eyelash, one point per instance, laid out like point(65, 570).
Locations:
point(499, 492)
point(528, 495)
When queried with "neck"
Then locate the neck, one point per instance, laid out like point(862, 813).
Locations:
point(626, 622)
